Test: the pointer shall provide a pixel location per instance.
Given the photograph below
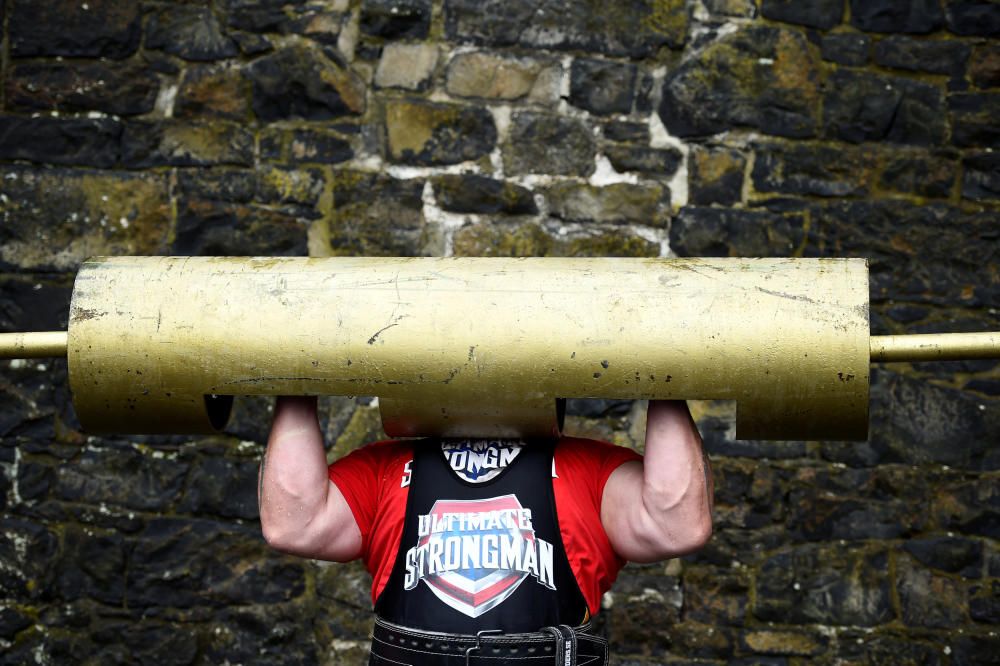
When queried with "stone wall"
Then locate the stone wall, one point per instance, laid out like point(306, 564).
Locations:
point(518, 127)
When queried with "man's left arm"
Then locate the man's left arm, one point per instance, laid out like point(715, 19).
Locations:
point(661, 507)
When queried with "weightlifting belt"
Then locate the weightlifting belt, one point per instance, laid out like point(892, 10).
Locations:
point(561, 645)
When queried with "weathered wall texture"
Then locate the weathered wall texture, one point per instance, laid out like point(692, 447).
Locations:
point(516, 127)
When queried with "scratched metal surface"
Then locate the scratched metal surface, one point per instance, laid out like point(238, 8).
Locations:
point(472, 345)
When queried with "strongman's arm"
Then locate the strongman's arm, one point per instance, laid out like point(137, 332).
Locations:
point(661, 507)
point(301, 511)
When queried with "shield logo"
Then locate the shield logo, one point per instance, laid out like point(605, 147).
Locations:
point(462, 585)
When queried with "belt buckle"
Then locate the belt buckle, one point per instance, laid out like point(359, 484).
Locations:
point(478, 645)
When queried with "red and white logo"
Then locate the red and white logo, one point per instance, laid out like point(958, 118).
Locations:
point(473, 554)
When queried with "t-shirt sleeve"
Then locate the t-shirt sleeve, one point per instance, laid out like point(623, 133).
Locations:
point(356, 476)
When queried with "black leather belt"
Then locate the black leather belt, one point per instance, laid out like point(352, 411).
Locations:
point(563, 645)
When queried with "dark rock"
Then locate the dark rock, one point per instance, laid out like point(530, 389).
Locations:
point(722, 232)
point(824, 583)
point(736, 8)
point(984, 66)
point(627, 132)
point(984, 603)
point(221, 184)
point(989, 387)
point(975, 120)
point(252, 45)
point(110, 88)
point(930, 423)
point(54, 219)
point(34, 480)
point(618, 203)
point(550, 144)
point(661, 162)
point(711, 596)
point(494, 240)
point(430, 134)
point(198, 563)
point(846, 48)
point(595, 408)
point(644, 93)
point(213, 92)
point(782, 642)
point(716, 176)
point(973, 17)
point(221, 487)
point(122, 477)
point(759, 77)
point(300, 82)
point(645, 608)
point(912, 16)
point(974, 650)
point(938, 56)
point(263, 15)
point(928, 600)
point(190, 32)
point(479, 194)
point(13, 621)
point(396, 19)
point(813, 170)
point(607, 243)
point(377, 215)
point(981, 177)
point(306, 145)
point(822, 14)
point(906, 313)
point(27, 550)
point(721, 444)
point(633, 28)
point(289, 186)
point(34, 303)
point(952, 554)
point(91, 565)
point(176, 143)
point(72, 141)
point(917, 172)
point(881, 647)
point(206, 228)
point(602, 86)
point(859, 106)
point(98, 29)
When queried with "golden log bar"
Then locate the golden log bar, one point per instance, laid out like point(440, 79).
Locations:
point(477, 346)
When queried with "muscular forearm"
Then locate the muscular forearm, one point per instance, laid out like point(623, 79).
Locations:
point(297, 501)
point(662, 507)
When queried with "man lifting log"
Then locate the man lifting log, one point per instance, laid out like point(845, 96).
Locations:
point(487, 551)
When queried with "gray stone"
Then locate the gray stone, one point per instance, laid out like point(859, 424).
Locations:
point(300, 82)
point(193, 33)
point(735, 8)
point(760, 77)
point(96, 29)
point(981, 177)
point(633, 28)
point(822, 14)
point(423, 133)
point(937, 56)
point(618, 203)
point(396, 19)
point(108, 87)
point(556, 145)
point(657, 162)
point(865, 107)
point(929, 600)
point(407, 66)
point(912, 16)
point(601, 86)
point(492, 76)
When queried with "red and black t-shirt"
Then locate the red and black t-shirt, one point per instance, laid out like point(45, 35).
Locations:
point(376, 481)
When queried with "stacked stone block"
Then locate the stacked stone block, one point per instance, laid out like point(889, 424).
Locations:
point(642, 128)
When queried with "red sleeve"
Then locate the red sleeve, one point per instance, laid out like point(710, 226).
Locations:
point(372, 480)
point(582, 468)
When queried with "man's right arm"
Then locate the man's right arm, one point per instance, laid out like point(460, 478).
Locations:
point(302, 512)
